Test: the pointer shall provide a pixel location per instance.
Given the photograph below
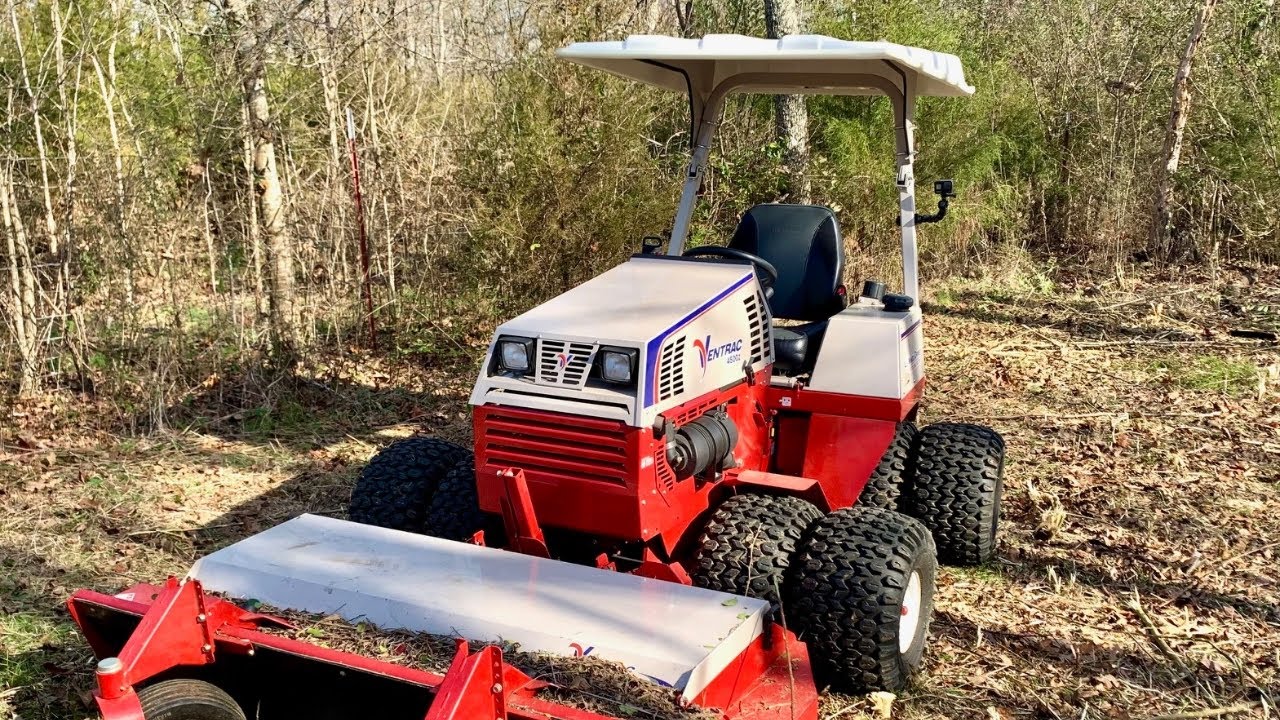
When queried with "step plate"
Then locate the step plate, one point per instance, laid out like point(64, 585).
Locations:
point(677, 635)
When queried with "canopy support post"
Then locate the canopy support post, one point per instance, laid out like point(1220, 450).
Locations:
point(904, 109)
point(708, 112)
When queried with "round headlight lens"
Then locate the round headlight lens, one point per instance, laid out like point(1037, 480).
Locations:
point(515, 356)
point(616, 367)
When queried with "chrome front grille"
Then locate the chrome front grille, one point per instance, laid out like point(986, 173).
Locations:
point(564, 363)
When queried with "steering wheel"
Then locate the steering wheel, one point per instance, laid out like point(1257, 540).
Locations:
point(768, 274)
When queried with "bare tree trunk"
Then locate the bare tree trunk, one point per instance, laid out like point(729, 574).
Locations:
point(334, 173)
point(107, 86)
point(23, 286)
point(70, 110)
point(205, 202)
point(51, 223)
point(255, 234)
point(243, 22)
point(656, 15)
point(441, 49)
point(1162, 241)
point(782, 17)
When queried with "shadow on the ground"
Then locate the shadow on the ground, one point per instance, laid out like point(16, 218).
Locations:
point(1078, 659)
point(45, 681)
point(1078, 317)
point(303, 419)
point(1122, 571)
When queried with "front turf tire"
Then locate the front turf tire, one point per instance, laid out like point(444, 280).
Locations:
point(396, 488)
point(749, 542)
point(862, 597)
point(957, 488)
point(187, 700)
point(454, 513)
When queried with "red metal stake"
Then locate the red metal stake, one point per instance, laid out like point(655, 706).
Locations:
point(365, 290)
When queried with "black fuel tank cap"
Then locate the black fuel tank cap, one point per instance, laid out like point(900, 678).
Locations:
point(897, 303)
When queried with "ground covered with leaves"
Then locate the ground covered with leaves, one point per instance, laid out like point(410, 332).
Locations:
point(1137, 572)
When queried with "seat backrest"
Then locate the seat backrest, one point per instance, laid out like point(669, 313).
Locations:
point(803, 243)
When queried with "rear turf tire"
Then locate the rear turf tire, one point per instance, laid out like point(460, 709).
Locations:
point(454, 513)
point(957, 488)
point(862, 596)
point(749, 542)
point(894, 473)
point(396, 488)
point(187, 700)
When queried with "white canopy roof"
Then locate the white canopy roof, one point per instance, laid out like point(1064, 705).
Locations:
point(833, 66)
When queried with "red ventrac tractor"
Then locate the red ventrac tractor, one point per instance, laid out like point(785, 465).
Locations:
point(702, 464)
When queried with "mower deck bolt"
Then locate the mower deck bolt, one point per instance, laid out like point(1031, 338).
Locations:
point(201, 618)
point(206, 648)
point(110, 666)
point(497, 688)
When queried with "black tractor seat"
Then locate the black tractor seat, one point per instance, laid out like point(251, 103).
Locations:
point(803, 243)
point(791, 345)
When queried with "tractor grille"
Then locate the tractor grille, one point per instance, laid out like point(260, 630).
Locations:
point(555, 447)
point(758, 328)
point(564, 363)
point(671, 370)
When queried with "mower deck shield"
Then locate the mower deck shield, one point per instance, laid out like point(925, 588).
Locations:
point(678, 635)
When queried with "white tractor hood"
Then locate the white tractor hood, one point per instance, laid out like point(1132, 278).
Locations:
point(692, 325)
point(632, 303)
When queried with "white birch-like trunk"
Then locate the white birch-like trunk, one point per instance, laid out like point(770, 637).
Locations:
point(23, 286)
point(782, 17)
point(1162, 241)
point(242, 22)
point(33, 100)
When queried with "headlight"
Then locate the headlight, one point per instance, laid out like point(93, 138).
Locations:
point(514, 353)
point(617, 365)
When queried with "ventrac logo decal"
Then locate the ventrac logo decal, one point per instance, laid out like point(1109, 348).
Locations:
point(708, 353)
point(562, 359)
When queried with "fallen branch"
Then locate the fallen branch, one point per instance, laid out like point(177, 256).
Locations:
point(1156, 638)
point(1210, 712)
point(1115, 414)
point(1147, 342)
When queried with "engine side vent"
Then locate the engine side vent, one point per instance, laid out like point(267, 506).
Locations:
point(564, 363)
point(671, 369)
point(666, 476)
point(758, 328)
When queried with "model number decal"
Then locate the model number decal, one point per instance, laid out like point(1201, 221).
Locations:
point(730, 352)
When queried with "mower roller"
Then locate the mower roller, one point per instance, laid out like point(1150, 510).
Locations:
point(702, 464)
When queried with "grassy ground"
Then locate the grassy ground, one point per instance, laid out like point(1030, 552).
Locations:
point(1137, 572)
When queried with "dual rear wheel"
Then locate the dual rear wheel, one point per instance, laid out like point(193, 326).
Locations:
point(857, 585)
point(950, 477)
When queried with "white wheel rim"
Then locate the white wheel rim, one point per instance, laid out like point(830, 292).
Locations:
point(909, 620)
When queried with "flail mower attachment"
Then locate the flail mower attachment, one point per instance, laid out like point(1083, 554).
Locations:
point(717, 651)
